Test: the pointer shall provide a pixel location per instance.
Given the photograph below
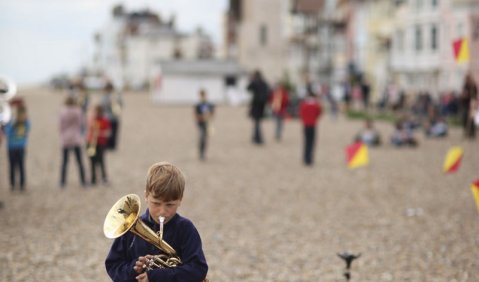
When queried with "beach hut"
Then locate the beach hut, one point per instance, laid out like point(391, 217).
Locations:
point(179, 81)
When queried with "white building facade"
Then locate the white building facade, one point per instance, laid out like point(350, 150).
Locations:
point(422, 57)
point(128, 46)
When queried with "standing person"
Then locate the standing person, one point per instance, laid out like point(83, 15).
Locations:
point(332, 100)
point(365, 93)
point(469, 100)
point(260, 91)
point(71, 123)
point(309, 111)
point(279, 102)
point(83, 98)
point(97, 140)
point(126, 261)
point(112, 105)
point(84, 102)
point(16, 132)
point(204, 112)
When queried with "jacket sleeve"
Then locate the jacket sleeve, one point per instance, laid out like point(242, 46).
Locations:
point(118, 263)
point(193, 268)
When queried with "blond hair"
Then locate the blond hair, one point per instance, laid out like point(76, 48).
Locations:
point(165, 181)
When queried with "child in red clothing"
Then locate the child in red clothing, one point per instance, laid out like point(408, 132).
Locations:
point(309, 111)
point(97, 139)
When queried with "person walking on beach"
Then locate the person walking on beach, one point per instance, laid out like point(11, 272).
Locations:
point(309, 112)
point(260, 90)
point(469, 100)
point(71, 123)
point(97, 140)
point(16, 132)
point(279, 102)
point(112, 104)
point(204, 112)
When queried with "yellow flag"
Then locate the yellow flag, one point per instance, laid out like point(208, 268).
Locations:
point(475, 192)
point(461, 50)
point(357, 155)
point(453, 159)
point(464, 53)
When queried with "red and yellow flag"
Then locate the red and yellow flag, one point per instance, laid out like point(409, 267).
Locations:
point(357, 155)
point(461, 50)
point(475, 192)
point(453, 159)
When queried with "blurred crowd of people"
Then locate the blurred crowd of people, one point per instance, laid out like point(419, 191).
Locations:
point(90, 130)
point(85, 129)
point(410, 113)
point(423, 112)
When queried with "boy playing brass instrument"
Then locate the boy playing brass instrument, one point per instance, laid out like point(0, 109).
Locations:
point(130, 255)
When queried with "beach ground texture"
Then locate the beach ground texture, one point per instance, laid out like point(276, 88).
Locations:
point(262, 215)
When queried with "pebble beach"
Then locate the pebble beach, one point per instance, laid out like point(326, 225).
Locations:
point(262, 215)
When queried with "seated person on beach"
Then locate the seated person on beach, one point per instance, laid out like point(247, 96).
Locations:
point(368, 134)
point(436, 128)
point(403, 135)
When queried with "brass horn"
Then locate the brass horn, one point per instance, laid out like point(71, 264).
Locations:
point(124, 217)
point(5, 113)
point(8, 89)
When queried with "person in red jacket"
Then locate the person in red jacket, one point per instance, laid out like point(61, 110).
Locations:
point(99, 130)
point(309, 112)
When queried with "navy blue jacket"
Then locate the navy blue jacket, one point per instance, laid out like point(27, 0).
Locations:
point(179, 233)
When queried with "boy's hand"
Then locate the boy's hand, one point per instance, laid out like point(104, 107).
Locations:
point(141, 264)
point(142, 277)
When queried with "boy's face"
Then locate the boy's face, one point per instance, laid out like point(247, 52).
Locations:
point(159, 207)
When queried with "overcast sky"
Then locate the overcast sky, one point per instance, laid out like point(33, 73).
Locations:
point(42, 38)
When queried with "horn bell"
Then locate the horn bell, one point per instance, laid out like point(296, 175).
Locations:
point(122, 216)
point(5, 113)
point(8, 88)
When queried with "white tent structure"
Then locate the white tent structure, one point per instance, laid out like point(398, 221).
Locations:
point(179, 81)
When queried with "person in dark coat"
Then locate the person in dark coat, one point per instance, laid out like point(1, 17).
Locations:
point(468, 99)
point(260, 90)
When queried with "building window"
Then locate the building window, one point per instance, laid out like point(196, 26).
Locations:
point(434, 38)
point(263, 35)
point(418, 38)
